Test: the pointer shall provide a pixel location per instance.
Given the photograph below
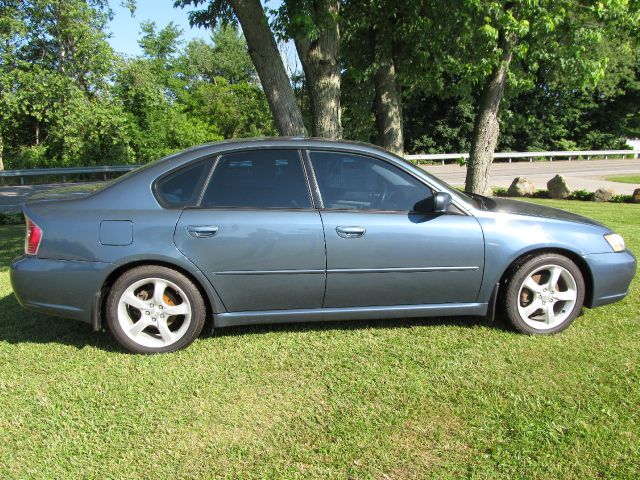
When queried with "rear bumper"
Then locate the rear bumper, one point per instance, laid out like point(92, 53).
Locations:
point(611, 275)
point(64, 288)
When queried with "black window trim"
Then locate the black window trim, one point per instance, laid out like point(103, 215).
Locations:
point(310, 176)
point(204, 187)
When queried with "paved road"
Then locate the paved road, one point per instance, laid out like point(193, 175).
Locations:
point(584, 174)
point(12, 198)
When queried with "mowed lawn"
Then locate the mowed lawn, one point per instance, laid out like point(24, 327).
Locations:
point(625, 179)
point(443, 398)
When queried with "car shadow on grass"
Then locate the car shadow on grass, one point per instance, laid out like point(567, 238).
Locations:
point(19, 325)
point(461, 322)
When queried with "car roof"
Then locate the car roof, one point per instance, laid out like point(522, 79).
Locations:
point(287, 142)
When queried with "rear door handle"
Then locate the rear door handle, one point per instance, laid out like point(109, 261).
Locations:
point(350, 232)
point(202, 231)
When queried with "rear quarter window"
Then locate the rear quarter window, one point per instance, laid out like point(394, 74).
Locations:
point(182, 187)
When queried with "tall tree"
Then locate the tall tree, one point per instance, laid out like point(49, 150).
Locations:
point(388, 100)
point(264, 54)
point(56, 60)
point(314, 27)
point(486, 128)
point(385, 44)
point(519, 35)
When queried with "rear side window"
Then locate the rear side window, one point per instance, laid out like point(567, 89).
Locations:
point(258, 179)
point(181, 188)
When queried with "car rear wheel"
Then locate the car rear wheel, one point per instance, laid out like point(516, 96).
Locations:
point(544, 294)
point(154, 309)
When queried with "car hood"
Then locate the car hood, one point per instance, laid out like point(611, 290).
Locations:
point(533, 210)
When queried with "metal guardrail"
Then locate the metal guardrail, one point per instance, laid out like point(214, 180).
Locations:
point(64, 172)
point(442, 157)
point(519, 156)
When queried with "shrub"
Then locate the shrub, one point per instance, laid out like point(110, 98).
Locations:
point(28, 157)
point(622, 199)
point(12, 218)
point(540, 194)
point(583, 195)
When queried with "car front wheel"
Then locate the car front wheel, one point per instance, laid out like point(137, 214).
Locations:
point(154, 309)
point(544, 294)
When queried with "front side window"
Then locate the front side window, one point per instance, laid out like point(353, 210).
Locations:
point(349, 181)
point(258, 179)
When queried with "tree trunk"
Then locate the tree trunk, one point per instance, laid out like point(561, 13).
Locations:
point(321, 65)
point(266, 58)
point(388, 102)
point(1, 152)
point(486, 129)
point(62, 51)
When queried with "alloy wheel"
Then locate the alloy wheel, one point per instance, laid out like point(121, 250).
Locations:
point(154, 312)
point(547, 297)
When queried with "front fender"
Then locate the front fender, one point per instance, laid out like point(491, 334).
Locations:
point(509, 237)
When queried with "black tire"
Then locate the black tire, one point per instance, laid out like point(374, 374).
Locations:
point(516, 294)
point(193, 300)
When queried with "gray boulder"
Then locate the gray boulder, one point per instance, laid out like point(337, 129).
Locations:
point(521, 187)
point(603, 194)
point(635, 197)
point(558, 187)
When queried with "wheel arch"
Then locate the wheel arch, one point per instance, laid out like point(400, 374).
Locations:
point(574, 257)
point(213, 305)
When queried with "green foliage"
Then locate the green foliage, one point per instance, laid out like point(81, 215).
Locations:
point(584, 195)
point(581, 195)
point(226, 57)
point(55, 70)
point(436, 125)
point(540, 194)
point(11, 219)
point(160, 46)
point(68, 99)
point(33, 156)
point(444, 51)
point(621, 199)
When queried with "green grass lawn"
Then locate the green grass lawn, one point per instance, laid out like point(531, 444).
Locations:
point(448, 398)
point(625, 179)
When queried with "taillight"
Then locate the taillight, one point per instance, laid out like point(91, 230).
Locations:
point(33, 238)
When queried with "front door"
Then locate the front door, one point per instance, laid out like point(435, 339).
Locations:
point(379, 251)
point(255, 234)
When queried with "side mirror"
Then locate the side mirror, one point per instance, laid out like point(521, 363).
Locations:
point(441, 202)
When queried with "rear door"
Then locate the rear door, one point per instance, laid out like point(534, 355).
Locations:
point(380, 250)
point(255, 233)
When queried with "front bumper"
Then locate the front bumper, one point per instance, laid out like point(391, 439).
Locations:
point(611, 275)
point(64, 288)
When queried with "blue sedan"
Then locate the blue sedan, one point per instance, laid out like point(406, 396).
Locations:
point(292, 229)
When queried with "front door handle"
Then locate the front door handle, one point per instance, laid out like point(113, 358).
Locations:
point(202, 231)
point(350, 232)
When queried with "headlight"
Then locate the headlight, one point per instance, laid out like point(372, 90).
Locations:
point(616, 241)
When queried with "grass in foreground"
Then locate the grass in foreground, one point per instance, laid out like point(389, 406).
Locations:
point(625, 179)
point(392, 399)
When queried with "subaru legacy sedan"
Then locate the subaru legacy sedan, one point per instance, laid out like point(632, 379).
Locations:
point(299, 230)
